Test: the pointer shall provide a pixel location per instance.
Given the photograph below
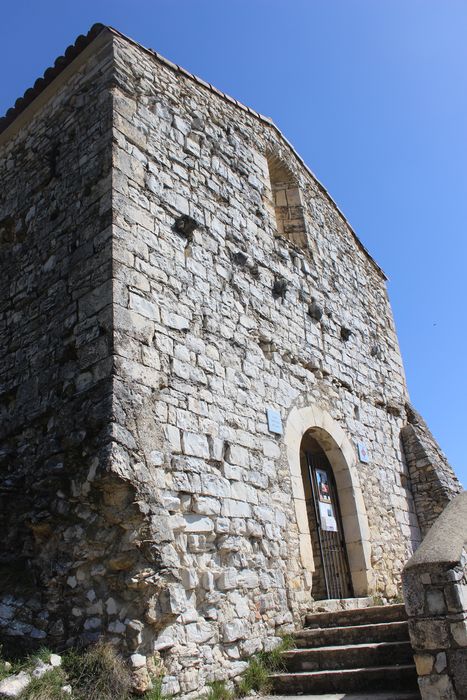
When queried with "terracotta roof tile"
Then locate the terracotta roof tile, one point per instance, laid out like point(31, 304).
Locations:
point(50, 73)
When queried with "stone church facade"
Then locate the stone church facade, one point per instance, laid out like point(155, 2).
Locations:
point(199, 367)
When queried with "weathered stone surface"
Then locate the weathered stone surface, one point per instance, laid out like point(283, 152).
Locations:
point(162, 273)
point(433, 481)
point(13, 686)
point(437, 688)
point(199, 632)
point(137, 660)
point(424, 664)
point(458, 668)
point(232, 631)
point(195, 445)
point(435, 585)
point(435, 602)
point(459, 632)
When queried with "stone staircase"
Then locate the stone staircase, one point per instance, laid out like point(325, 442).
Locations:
point(349, 651)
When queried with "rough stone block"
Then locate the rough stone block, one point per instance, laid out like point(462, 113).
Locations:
point(216, 446)
point(199, 632)
point(195, 445)
point(14, 685)
point(237, 455)
point(459, 632)
point(214, 485)
point(145, 308)
point(424, 663)
point(190, 578)
point(206, 505)
point(172, 320)
point(198, 523)
point(137, 660)
point(234, 630)
point(170, 686)
point(235, 509)
point(227, 580)
point(436, 688)
point(435, 602)
point(196, 543)
point(271, 449)
point(173, 436)
point(428, 634)
point(456, 597)
point(441, 662)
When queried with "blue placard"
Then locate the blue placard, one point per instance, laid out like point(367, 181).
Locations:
point(274, 421)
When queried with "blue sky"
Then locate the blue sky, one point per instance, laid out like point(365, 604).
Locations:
point(373, 95)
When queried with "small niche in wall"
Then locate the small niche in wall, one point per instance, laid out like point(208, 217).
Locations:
point(11, 232)
point(285, 204)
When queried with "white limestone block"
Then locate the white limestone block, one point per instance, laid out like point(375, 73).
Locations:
point(195, 445)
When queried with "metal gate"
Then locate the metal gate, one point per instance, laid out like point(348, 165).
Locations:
point(329, 527)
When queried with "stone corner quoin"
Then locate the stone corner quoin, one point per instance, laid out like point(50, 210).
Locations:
point(170, 271)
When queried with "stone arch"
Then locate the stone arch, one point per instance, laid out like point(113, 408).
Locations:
point(343, 459)
point(285, 201)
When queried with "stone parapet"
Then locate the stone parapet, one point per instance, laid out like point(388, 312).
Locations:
point(435, 595)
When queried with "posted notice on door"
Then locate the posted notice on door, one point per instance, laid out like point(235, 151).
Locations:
point(326, 510)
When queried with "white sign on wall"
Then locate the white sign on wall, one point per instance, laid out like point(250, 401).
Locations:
point(363, 455)
point(274, 421)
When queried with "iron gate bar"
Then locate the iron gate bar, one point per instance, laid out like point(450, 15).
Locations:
point(332, 548)
point(315, 505)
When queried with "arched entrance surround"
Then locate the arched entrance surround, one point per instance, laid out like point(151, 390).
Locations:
point(343, 459)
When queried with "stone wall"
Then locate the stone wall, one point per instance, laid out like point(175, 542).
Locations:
point(176, 270)
point(56, 358)
point(217, 317)
point(432, 479)
point(435, 594)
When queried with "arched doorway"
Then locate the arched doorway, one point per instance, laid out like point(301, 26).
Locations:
point(318, 424)
point(332, 573)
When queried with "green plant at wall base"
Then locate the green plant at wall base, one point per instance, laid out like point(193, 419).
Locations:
point(42, 655)
point(255, 677)
point(156, 691)
point(261, 665)
point(98, 673)
point(273, 660)
point(49, 687)
point(218, 691)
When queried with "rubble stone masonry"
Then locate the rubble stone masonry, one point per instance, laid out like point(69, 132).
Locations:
point(170, 270)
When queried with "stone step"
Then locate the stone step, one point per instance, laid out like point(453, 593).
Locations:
point(385, 695)
point(357, 616)
point(357, 634)
point(337, 604)
point(348, 656)
point(379, 678)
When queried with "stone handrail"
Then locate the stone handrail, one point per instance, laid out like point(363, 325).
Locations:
point(435, 595)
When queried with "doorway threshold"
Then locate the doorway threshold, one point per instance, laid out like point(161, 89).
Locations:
point(335, 604)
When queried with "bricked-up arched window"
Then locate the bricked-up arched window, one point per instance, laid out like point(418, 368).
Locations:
point(286, 202)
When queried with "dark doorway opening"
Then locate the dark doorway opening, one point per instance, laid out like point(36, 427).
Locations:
point(332, 573)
